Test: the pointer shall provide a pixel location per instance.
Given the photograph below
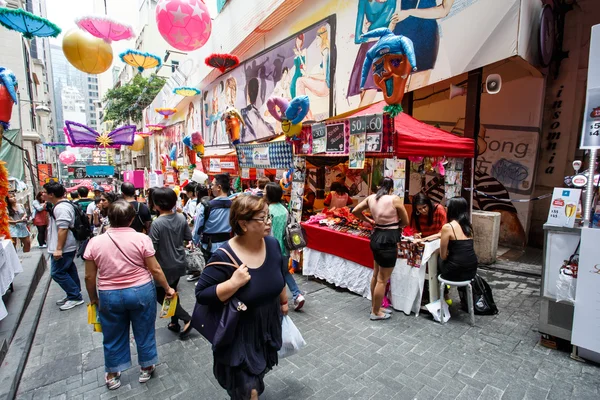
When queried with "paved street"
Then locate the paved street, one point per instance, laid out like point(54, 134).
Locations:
point(347, 357)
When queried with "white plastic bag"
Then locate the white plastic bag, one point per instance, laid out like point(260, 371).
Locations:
point(292, 339)
point(566, 285)
point(434, 309)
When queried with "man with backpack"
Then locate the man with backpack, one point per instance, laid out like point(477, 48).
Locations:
point(211, 227)
point(84, 201)
point(143, 219)
point(62, 244)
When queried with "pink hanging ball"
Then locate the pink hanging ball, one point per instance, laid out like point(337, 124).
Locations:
point(184, 24)
point(66, 157)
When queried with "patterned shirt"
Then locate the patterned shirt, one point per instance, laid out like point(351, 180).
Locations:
point(279, 215)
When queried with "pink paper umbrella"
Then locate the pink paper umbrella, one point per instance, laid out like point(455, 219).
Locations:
point(105, 28)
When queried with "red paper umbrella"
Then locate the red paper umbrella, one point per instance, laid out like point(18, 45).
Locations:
point(222, 62)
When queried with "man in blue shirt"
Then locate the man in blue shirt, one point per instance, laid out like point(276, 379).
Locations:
point(211, 226)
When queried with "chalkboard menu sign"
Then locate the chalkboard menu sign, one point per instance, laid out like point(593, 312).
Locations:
point(318, 136)
point(336, 138)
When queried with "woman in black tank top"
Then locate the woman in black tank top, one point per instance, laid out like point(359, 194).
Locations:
point(458, 255)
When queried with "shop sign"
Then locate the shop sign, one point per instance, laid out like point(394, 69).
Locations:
point(579, 180)
point(260, 156)
point(336, 138)
point(44, 173)
point(374, 130)
point(590, 137)
point(245, 173)
point(40, 150)
point(563, 207)
point(214, 165)
point(230, 165)
point(99, 171)
point(319, 140)
point(273, 155)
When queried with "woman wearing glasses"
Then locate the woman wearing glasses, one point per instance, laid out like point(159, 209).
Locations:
point(241, 367)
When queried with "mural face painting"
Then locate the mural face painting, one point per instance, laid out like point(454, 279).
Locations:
point(300, 65)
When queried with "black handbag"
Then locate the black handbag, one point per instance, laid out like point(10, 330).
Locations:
point(219, 323)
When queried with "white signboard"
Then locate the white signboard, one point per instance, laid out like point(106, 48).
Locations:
point(586, 320)
point(260, 156)
point(563, 207)
point(590, 137)
point(214, 165)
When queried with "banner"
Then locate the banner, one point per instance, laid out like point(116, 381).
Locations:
point(274, 155)
point(99, 171)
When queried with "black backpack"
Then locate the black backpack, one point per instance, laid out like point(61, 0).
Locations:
point(82, 229)
point(483, 300)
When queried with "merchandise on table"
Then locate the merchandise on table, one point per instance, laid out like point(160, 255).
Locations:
point(341, 220)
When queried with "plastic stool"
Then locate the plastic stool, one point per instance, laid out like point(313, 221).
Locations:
point(443, 282)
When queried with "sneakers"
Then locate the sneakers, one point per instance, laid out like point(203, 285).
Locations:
point(43, 246)
point(299, 302)
point(146, 374)
point(62, 301)
point(114, 382)
point(71, 304)
point(192, 278)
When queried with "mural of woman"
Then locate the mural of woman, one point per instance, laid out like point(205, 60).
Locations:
point(230, 91)
point(190, 125)
point(417, 20)
point(371, 14)
point(317, 84)
point(299, 62)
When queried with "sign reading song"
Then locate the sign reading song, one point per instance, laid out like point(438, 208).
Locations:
point(336, 139)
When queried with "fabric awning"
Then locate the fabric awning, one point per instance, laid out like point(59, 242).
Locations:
point(416, 138)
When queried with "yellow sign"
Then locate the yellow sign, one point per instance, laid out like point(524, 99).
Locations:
point(51, 179)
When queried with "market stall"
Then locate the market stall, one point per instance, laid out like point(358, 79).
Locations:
point(345, 259)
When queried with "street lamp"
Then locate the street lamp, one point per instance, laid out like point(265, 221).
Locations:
point(42, 111)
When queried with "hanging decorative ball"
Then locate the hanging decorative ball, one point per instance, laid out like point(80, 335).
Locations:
point(66, 157)
point(87, 53)
point(138, 143)
point(184, 24)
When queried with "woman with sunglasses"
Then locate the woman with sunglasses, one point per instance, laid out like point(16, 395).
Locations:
point(427, 218)
point(240, 368)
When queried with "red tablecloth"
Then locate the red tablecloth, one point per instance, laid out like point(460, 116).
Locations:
point(350, 247)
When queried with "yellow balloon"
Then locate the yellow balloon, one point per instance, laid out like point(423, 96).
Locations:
point(87, 53)
point(138, 143)
point(289, 129)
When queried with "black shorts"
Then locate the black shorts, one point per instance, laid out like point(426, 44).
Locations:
point(384, 245)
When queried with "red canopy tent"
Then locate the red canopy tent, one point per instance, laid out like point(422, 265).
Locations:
point(416, 138)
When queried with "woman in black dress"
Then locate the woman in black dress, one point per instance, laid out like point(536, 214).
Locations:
point(456, 246)
point(258, 283)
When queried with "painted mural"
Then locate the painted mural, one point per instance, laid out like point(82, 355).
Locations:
point(302, 64)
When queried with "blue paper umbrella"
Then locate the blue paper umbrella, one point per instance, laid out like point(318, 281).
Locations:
point(28, 24)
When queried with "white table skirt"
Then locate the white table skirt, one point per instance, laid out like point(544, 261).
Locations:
point(338, 271)
point(407, 283)
point(10, 266)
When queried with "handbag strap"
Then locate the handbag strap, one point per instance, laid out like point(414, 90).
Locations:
point(233, 262)
point(574, 253)
point(125, 255)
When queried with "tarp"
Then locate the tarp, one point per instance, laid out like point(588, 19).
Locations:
point(12, 155)
point(416, 138)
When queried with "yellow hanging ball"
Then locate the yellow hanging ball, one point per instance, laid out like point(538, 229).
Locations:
point(177, 190)
point(87, 53)
point(138, 143)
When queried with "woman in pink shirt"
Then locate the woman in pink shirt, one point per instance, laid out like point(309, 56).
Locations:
point(123, 264)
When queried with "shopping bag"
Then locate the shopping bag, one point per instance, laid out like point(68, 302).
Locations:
point(94, 317)
point(168, 307)
point(195, 262)
point(435, 310)
point(566, 284)
point(292, 340)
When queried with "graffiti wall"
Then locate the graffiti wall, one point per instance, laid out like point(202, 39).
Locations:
point(302, 64)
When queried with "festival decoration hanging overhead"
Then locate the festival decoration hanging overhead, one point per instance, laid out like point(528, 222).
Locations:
point(87, 53)
point(165, 111)
point(28, 24)
point(67, 158)
point(393, 58)
point(144, 134)
point(184, 24)
point(105, 28)
point(140, 60)
point(8, 97)
point(138, 143)
point(289, 114)
point(233, 124)
point(155, 127)
point(186, 91)
point(83, 136)
point(222, 62)
point(4, 189)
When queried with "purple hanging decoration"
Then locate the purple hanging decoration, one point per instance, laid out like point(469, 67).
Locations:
point(83, 136)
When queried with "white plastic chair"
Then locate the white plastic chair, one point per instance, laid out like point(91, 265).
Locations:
point(443, 282)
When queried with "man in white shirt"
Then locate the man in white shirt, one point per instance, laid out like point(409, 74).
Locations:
point(189, 210)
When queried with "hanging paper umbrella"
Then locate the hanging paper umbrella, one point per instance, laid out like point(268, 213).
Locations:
point(222, 62)
point(28, 24)
point(186, 91)
point(105, 28)
point(155, 127)
point(166, 112)
point(144, 134)
point(140, 60)
point(84, 136)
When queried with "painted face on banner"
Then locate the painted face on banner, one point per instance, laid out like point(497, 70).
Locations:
point(390, 74)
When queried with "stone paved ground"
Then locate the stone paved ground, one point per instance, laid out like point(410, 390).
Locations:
point(347, 357)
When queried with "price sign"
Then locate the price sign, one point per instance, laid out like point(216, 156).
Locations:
point(358, 125)
point(374, 123)
point(319, 140)
point(590, 138)
point(563, 208)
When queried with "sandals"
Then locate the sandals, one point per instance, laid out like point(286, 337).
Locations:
point(114, 382)
point(375, 317)
point(174, 327)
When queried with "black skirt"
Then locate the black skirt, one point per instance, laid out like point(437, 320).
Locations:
point(384, 245)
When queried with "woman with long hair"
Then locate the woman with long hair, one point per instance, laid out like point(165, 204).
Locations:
point(388, 218)
point(120, 282)
point(17, 220)
point(299, 63)
point(456, 247)
point(427, 218)
point(40, 217)
point(240, 367)
point(318, 84)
